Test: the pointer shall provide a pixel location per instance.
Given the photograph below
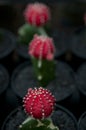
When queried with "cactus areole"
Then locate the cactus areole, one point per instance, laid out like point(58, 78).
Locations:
point(39, 103)
point(37, 14)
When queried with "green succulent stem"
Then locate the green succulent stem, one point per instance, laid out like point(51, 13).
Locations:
point(36, 124)
point(44, 71)
point(27, 31)
point(42, 31)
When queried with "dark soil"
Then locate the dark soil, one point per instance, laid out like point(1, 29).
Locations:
point(61, 117)
point(4, 79)
point(82, 122)
point(7, 43)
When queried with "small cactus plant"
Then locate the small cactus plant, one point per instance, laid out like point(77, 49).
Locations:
point(38, 104)
point(37, 14)
point(36, 17)
point(41, 50)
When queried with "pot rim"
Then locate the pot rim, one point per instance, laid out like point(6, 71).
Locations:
point(57, 107)
point(79, 121)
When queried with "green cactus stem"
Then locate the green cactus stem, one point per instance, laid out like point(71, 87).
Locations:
point(48, 28)
point(42, 31)
point(35, 124)
point(44, 70)
point(26, 33)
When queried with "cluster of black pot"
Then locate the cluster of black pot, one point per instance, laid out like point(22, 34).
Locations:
point(17, 75)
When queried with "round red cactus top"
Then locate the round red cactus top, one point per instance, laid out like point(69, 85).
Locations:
point(39, 103)
point(42, 47)
point(37, 14)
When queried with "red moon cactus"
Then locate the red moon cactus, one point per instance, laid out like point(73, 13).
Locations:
point(37, 14)
point(42, 47)
point(39, 103)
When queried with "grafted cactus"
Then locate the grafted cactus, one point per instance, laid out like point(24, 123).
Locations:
point(39, 105)
point(37, 16)
point(41, 50)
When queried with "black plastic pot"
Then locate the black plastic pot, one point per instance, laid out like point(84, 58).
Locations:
point(62, 87)
point(23, 78)
point(82, 122)
point(60, 40)
point(81, 79)
point(70, 57)
point(64, 83)
point(81, 86)
point(77, 47)
point(78, 42)
point(11, 99)
point(22, 51)
point(4, 79)
point(61, 117)
point(7, 49)
point(7, 44)
point(4, 83)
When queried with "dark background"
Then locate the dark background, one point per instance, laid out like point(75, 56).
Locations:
point(66, 15)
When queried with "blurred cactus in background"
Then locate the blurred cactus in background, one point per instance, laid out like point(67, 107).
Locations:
point(36, 15)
